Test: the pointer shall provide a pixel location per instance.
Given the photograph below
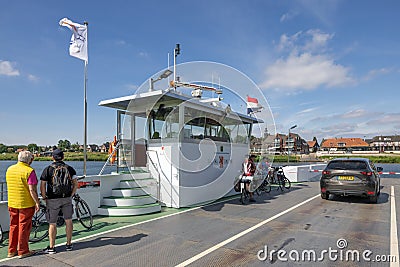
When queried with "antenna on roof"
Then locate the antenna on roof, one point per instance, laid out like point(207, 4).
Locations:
point(177, 51)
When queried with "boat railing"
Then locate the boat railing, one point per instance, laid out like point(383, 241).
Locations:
point(156, 168)
point(3, 191)
point(109, 158)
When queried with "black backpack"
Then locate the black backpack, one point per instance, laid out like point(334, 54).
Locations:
point(61, 181)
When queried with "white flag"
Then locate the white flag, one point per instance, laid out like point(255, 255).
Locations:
point(78, 44)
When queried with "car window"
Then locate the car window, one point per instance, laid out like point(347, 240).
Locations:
point(347, 165)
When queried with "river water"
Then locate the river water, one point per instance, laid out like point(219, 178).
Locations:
point(92, 167)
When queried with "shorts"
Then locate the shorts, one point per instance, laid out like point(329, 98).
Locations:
point(247, 179)
point(53, 207)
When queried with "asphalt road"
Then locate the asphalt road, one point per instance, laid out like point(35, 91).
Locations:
point(305, 229)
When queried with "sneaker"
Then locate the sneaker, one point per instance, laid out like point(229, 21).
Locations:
point(50, 250)
point(30, 253)
point(12, 254)
point(68, 247)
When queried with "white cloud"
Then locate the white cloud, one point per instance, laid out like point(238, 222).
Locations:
point(33, 78)
point(307, 65)
point(143, 54)
point(305, 111)
point(7, 69)
point(313, 40)
point(120, 42)
point(390, 118)
point(305, 71)
point(318, 42)
point(374, 73)
point(288, 42)
point(288, 16)
point(355, 114)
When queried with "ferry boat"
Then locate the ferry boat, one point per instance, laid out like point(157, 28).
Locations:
point(176, 147)
point(191, 148)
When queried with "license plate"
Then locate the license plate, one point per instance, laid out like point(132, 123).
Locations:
point(346, 178)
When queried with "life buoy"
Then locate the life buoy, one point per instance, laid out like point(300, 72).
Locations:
point(113, 151)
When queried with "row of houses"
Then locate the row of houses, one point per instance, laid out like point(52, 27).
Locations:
point(90, 148)
point(294, 143)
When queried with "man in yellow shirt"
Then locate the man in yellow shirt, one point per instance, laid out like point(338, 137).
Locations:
point(23, 202)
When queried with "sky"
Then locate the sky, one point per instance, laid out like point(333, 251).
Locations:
point(330, 67)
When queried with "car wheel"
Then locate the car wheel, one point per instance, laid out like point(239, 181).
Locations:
point(325, 195)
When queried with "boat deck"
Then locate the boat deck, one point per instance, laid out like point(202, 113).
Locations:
point(228, 233)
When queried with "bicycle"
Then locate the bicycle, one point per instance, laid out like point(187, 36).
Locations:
point(40, 227)
point(264, 187)
point(281, 179)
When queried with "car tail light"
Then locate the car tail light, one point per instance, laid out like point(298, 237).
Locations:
point(323, 190)
point(370, 193)
point(326, 172)
point(367, 173)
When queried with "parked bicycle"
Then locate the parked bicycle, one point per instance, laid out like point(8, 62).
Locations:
point(282, 181)
point(40, 227)
point(264, 187)
point(266, 184)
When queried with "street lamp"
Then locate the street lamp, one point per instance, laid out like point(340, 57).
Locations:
point(288, 152)
point(163, 75)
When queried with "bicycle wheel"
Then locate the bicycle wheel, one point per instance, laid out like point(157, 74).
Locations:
point(287, 183)
point(267, 187)
point(40, 227)
point(259, 191)
point(1, 234)
point(84, 214)
point(242, 196)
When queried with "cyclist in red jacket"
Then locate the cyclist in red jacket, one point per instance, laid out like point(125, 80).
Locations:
point(249, 168)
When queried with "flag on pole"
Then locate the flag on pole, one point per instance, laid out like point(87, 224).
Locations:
point(253, 105)
point(78, 44)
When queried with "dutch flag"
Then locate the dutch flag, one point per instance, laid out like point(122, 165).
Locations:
point(253, 105)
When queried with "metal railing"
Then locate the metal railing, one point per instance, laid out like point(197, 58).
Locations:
point(3, 191)
point(109, 157)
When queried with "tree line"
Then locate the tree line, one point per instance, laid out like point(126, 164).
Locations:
point(64, 145)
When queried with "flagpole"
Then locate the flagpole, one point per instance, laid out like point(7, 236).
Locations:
point(85, 113)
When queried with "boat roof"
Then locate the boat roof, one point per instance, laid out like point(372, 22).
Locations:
point(147, 100)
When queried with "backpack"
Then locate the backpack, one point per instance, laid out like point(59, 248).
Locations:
point(61, 181)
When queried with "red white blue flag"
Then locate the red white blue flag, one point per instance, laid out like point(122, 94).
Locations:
point(253, 105)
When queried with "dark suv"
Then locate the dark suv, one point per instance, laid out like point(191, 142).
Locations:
point(351, 176)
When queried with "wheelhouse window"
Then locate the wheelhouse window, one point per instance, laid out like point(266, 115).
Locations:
point(164, 122)
point(200, 125)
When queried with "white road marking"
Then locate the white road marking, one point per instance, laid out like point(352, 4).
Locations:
point(233, 238)
point(394, 241)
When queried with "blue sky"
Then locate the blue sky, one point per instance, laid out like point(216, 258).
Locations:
point(330, 67)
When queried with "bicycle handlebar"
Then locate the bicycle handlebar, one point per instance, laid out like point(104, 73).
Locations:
point(80, 177)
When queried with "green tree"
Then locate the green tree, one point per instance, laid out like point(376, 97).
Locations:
point(3, 148)
point(64, 144)
point(75, 147)
point(33, 148)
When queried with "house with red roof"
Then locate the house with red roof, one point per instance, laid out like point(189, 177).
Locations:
point(344, 144)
